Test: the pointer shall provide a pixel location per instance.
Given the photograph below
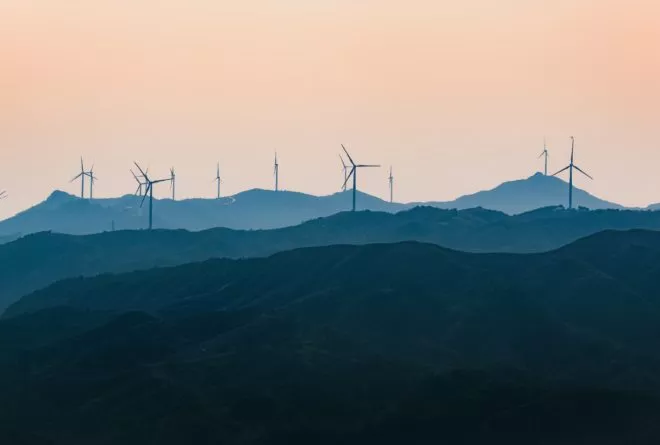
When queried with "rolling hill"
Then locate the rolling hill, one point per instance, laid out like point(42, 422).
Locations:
point(38, 260)
point(253, 209)
point(524, 195)
point(263, 209)
point(373, 344)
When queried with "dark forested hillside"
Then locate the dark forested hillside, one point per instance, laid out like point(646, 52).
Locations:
point(396, 343)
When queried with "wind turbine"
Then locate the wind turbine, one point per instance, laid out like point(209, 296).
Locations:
point(173, 183)
point(92, 178)
point(150, 192)
point(391, 180)
point(545, 153)
point(354, 169)
point(277, 174)
point(570, 168)
point(81, 175)
point(345, 172)
point(217, 178)
point(138, 190)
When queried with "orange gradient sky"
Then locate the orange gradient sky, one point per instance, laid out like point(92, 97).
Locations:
point(457, 96)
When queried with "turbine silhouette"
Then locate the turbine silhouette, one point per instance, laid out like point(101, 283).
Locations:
point(545, 153)
point(345, 167)
point(277, 174)
point(138, 190)
point(218, 179)
point(82, 176)
point(354, 169)
point(150, 193)
point(570, 168)
point(92, 179)
point(391, 181)
point(173, 183)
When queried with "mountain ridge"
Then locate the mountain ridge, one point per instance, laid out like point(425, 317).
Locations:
point(38, 260)
point(266, 209)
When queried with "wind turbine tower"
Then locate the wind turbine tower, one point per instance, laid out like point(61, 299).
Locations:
point(277, 174)
point(173, 183)
point(150, 192)
point(544, 153)
point(570, 168)
point(92, 178)
point(391, 181)
point(218, 179)
point(354, 169)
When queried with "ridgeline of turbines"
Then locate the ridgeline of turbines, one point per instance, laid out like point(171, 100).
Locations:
point(145, 187)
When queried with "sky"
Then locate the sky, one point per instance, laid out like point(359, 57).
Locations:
point(456, 96)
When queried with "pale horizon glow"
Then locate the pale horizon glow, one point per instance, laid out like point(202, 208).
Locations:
point(456, 96)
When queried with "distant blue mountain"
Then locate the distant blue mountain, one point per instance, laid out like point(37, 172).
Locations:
point(252, 209)
point(523, 195)
point(265, 209)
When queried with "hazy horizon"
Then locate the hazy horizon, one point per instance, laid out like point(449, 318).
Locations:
point(457, 97)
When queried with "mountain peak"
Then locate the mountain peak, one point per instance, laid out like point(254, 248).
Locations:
point(59, 196)
point(523, 195)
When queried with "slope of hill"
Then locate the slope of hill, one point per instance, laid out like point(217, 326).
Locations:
point(524, 195)
point(253, 209)
point(41, 259)
point(399, 343)
point(264, 209)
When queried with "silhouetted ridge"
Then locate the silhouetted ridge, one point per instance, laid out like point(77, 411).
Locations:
point(267, 209)
point(523, 195)
point(39, 260)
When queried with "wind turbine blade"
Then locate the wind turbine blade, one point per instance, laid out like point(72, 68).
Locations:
point(78, 176)
point(138, 190)
point(542, 153)
point(348, 177)
point(146, 193)
point(343, 163)
point(349, 156)
point(562, 170)
point(160, 180)
point(366, 166)
point(144, 175)
point(583, 172)
point(82, 166)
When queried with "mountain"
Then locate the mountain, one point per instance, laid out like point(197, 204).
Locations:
point(38, 260)
point(264, 209)
point(253, 209)
point(390, 343)
point(524, 195)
